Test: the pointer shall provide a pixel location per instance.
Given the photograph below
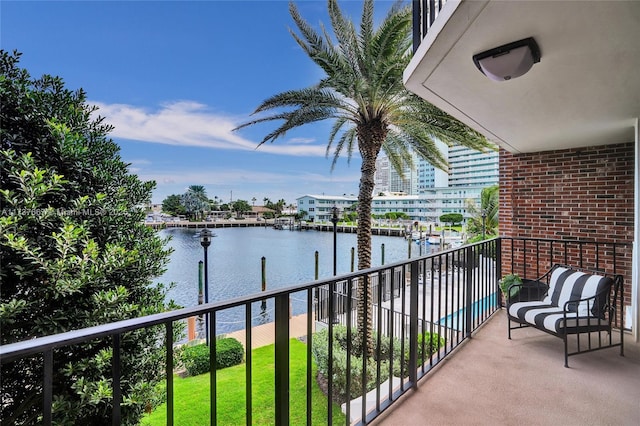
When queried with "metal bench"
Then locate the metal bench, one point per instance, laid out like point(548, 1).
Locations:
point(574, 301)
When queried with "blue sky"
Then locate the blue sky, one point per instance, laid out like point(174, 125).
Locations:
point(175, 77)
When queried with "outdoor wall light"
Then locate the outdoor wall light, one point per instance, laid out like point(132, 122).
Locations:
point(508, 61)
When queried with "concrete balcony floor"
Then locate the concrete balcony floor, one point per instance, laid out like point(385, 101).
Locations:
point(491, 380)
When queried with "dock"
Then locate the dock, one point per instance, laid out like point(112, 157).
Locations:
point(248, 223)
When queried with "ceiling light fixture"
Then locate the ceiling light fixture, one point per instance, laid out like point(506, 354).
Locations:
point(508, 61)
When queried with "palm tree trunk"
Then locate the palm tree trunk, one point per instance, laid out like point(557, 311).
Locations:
point(369, 152)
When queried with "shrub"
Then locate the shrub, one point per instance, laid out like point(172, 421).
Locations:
point(389, 351)
point(229, 352)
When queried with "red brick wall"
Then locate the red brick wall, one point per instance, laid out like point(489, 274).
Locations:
point(583, 194)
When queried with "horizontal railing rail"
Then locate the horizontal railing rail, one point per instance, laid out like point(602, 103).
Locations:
point(533, 257)
point(418, 312)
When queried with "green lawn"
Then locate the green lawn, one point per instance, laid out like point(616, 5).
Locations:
point(192, 394)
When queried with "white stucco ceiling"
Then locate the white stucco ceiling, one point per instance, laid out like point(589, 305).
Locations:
point(585, 90)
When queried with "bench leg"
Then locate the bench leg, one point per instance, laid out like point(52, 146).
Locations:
point(509, 327)
point(566, 351)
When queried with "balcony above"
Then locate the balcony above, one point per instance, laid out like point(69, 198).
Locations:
point(584, 91)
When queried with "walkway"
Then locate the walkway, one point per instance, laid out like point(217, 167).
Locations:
point(263, 335)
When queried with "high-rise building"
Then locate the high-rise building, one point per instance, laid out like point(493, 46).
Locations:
point(439, 192)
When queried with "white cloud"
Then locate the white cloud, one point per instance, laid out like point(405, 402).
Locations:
point(210, 177)
point(190, 123)
point(301, 140)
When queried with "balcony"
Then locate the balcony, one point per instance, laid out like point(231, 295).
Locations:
point(451, 294)
point(493, 380)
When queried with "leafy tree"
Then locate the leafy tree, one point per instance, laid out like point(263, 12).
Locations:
point(241, 207)
point(173, 205)
point(451, 218)
point(75, 253)
point(363, 93)
point(489, 205)
point(301, 215)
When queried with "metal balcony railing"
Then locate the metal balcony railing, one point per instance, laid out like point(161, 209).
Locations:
point(424, 15)
point(448, 295)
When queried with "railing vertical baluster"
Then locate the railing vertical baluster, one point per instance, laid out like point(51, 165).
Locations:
point(330, 318)
point(580, 255)
point(365, 349)
point(459, 290)
point(537, 259)
point(524, 256)
point(391, 323)
point(213, 368)
point(282, 360)
point(248, 361)
point(424, 313)
point(413, 326)
point(431, 312)
point(309, 355)
point(116, 373)
point(379, 337)
point(468, 292)
point(432, 12)
point(349, 349)
point(446, 291)
point(417, 28)
point(47, 392)
point(403, 312)
point(440, 326)
point(169, 371)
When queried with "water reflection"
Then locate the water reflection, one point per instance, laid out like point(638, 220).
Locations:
point(235, 265)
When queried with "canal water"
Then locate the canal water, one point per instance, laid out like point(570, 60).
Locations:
point(234, 261)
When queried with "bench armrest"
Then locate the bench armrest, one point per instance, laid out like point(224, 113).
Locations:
point(530, 290)
point(593, 306)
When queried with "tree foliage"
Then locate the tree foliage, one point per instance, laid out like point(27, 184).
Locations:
point(173, 205)
point(240, 207)
point(75, 253)
point(489, 205)
point(362, 92)
point(195, 201)
point(451, 218)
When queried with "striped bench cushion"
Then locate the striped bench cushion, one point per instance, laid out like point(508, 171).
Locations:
point(551, 318)
point(566, 285)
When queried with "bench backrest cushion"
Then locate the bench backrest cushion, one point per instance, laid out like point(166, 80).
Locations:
point(568, 284)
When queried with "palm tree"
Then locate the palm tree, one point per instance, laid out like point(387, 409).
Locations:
point(195, 200)
point(363, 93)
point(489, 203)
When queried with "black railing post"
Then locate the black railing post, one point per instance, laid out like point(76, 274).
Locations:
point(282, 360)
point(417, 27)
point(413, 326)
point(213, 368)
point(471, 264)
point(47, 392)
point(116, 373)
point(169, 371)
point(498, 273)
